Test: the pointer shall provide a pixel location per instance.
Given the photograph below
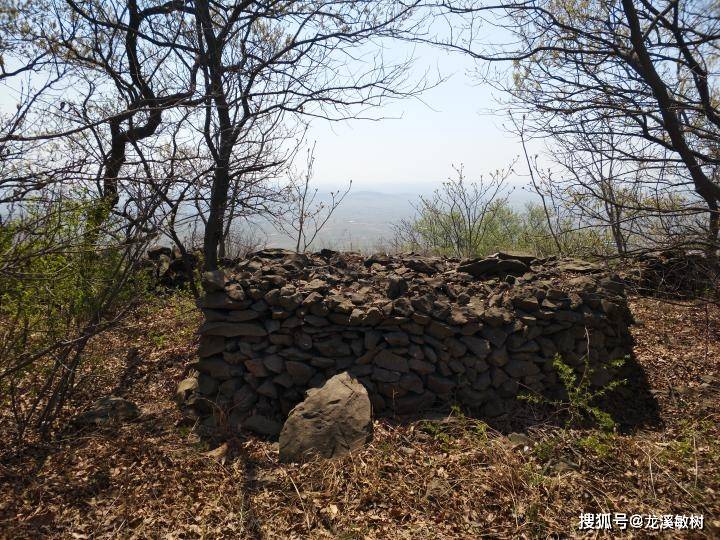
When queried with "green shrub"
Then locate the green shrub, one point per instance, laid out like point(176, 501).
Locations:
point(57, 290)
point(501, 228)
point(581, 403)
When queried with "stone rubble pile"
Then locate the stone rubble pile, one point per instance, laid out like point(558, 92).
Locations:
point(679, 273)
point(168, 268)
point(416, 331)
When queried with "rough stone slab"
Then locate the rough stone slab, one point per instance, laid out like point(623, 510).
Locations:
point(389, 360)
point(219, 300)
point(262, 425)
point(332, 421)
point(227, 329)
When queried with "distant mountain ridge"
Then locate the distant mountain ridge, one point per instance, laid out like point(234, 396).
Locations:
point(365, 219)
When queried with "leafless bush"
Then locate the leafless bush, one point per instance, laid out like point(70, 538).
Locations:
point(306, 215)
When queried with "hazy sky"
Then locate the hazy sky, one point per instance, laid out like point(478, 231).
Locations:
point(417, 149)
point(417, 142)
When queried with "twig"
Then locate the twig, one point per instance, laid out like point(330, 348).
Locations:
point(302, 504)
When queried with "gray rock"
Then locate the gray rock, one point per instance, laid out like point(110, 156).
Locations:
point(497, 317)
point(361, 370)
point(332, 347)
point(262, 425)
point(268, 389)
point(291, 302)
point(377, 258)
point(372, 338)
point(578, 266)
point(439, 330)
point(385, 375)
point(274, 363)
point(411, 382)
point(520, 368)
point(440, 385)
point(499, 357)
point(527, 303)
point(403, 307)
point(244, 398)
point(185, 389)
point(271, 325)
point(522, 256)
point(471, 397)
point(284, 380)
point(389, 360)
point(498, 377)
point(456, 366)
point(483, 381)
point(207, 385)
point(227, 329)
point(430, 354)
point(455, 347)
point(391, 390)
point(257, 367)
point(479, 267)
point(332, 421)
point(316, 321)
point(489, 267)
point(213, 280)
point(210, 345)
point(108, 410)
point(300, 372)
point(496, 336)
point(421, 264)
point(397, 339)
point(304, 341)
point(420, 366)
point(241, 315)
point(397, 287)
point(479, 347)
point(219, 300)
point(423, 304)
point(414, 403)
point(218, 368)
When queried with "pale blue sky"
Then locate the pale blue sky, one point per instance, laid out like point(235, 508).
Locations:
point(460, 121)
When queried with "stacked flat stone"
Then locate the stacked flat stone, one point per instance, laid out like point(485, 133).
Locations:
point(417, 331)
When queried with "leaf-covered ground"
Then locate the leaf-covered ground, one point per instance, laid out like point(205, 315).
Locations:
point(442, 477)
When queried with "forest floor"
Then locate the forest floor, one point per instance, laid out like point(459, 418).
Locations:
point(447, 476)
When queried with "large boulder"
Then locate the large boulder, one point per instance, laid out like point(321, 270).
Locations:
point(332, 421)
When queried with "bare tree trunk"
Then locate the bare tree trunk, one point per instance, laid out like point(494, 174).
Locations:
point(221, 174)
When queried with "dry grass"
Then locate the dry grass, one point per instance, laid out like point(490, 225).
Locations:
point(447, 478)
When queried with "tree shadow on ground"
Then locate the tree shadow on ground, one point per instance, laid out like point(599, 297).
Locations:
point(252, 480)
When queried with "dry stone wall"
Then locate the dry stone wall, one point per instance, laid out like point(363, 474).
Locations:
point(417, 331)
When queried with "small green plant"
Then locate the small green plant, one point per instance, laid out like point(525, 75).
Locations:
point(684, 446)
point(581, 398)
point(159, 340)
point(600, 443)
point(532, 475)
point(547, 448)
point(469, 426)
point(437, 430)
